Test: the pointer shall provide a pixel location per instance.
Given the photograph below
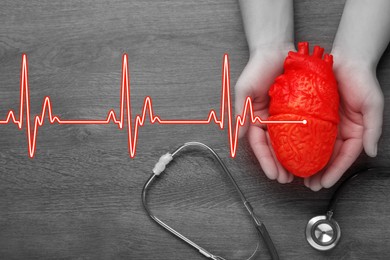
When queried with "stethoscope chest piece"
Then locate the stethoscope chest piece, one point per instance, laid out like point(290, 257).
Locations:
point(323, 233)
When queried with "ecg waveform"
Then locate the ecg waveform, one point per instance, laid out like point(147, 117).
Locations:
point(125, 113)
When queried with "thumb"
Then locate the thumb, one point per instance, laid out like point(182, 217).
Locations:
point(372, 121)
point(242, 92)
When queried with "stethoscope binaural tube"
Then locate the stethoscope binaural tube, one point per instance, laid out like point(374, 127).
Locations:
point(323, 232)
point(160, 167)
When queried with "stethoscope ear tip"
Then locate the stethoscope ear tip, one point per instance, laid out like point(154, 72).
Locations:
point(322, 233)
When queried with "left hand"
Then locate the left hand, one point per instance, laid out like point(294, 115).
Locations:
point(361, 113)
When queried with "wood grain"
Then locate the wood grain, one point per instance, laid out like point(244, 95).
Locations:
point(79, 198)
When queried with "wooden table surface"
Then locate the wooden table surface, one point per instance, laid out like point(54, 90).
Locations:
point(80, 196)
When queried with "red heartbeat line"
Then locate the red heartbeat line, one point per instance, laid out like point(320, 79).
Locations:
point(132, 134)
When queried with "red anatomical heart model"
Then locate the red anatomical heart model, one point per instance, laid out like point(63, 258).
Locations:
point(307, 90)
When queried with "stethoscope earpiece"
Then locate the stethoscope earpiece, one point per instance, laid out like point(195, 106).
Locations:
point(323, 232)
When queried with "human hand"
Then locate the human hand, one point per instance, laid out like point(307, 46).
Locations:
point(361, 113)
point(259, 74)
point(361, 106)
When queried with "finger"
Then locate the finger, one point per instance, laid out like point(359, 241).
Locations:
point(306, 181)
point(243, 90)
point(263, 115)
point(315, 181)
point(372, 121)
point(349, 151)
point(336, 150)
point(283, 175)
point(242, 93)
point(259, 144)
point(290, 177)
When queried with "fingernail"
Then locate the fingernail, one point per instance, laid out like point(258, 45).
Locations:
point(327, 183)
point(375, 150)
point(316, 187)
point(307, 183)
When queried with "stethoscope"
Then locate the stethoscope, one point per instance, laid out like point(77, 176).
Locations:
point(160, 167)
point(322, 232)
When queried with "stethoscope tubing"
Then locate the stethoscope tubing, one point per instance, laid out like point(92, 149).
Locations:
point(260, 227)
point(340, 189)
point(327, 221)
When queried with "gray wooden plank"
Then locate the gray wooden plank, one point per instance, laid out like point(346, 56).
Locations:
point(79, 198)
